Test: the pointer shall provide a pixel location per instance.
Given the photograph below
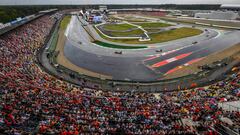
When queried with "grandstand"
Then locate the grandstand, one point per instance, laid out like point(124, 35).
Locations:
point(221, 15)
point(231, 6)
point(38, 97)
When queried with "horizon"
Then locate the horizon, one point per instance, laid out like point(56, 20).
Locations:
point(116, 2)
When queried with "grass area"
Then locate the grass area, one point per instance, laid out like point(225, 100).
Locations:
point(160, 37)
point(192, 21)
point(120, 27)
point(174, 34)
point(133, 19)
point(118, 46)
point(124, 34)
point(113, 40)
point(63, 26)
point(65, 22)
point(153, 25)
point(125, 19)
point(128, 17)
point(152, 30)
point(53, 45)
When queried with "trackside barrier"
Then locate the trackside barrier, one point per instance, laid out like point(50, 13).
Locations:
point(96, 27)
point(85, 28)
point(220, 26)
point(194, 80)
point(204, 24)
point(52, 60)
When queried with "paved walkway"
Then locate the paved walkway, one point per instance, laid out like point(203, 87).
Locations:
point(230, 106)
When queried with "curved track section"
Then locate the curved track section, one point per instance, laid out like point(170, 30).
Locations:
point(143, 64)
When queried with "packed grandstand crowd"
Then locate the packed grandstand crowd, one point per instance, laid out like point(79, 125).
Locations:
point(34, 102)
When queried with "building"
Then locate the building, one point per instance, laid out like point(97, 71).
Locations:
point(222, 15)
point(142, 11)
point(97, 19)
point(235, 7)
point(103, 8)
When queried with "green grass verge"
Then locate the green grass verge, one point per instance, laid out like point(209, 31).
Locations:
point(174, 34)
point(54, 41)
point(152, 30)
point(192, 21)
point(160, 37)
point(65, 22)
point(63, 25)
point(118, 46)
point(118, 27)
point(133, 19)
point(126, 34)
point(129, 20)
point(153, 25)
point(113, 40)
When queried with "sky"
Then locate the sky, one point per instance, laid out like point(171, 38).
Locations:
point(85, 2)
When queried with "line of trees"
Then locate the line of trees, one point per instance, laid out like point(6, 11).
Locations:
point(9, 13)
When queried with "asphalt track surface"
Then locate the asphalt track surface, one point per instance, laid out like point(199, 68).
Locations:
point(143, 64)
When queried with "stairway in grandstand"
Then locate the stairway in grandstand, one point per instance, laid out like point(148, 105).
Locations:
point(223, 130)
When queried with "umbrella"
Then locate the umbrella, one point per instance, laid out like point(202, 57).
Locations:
point(223, 100)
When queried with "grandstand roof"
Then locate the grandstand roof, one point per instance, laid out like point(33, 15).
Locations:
point(236, 6)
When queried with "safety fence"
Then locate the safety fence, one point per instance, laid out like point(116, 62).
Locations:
point(202, 78)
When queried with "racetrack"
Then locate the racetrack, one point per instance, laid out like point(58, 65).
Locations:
point(143, 64)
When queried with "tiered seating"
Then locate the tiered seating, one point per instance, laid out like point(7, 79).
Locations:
point(34, 102)
point(228, 15)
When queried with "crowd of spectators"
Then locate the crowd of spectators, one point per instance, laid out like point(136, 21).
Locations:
point(31, 101)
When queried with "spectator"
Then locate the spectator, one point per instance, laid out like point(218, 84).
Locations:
point(34, 102)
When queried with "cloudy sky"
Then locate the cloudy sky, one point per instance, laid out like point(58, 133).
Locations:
point(42, 2)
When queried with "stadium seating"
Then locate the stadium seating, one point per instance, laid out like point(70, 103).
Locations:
point(227, 15)
point(33, 102)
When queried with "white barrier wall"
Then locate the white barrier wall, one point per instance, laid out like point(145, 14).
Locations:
point(227, 15)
